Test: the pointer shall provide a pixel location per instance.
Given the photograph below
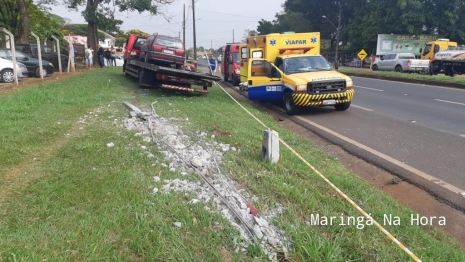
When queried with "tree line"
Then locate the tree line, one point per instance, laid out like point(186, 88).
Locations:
point(362, 20)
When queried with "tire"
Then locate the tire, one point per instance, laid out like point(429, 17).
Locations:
point(235, 81)
point(37, 72)
point(398, 69)
point(7, 76)
point(289, 106)
point(342, 107)
point(374, 68)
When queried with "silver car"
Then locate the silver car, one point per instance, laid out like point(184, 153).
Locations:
point(6, 71)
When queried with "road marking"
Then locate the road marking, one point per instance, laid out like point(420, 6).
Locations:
point(462, 135)
point(386, 157)
point(364, 108)
point(445, 101)
point(374, 89)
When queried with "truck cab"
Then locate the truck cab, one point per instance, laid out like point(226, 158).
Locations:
point(431, 48)
point(288, 67)
point(231, 63)
point(299, 81)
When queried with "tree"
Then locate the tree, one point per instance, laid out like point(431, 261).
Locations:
point(99, 14)
point(24, 33)
point(292, 21)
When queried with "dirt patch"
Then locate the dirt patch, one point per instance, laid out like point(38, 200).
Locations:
point(25, 82)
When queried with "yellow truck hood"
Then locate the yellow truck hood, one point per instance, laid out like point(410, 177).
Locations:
point(305, 77)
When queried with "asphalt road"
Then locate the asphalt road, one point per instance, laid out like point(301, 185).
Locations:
point(416, 131)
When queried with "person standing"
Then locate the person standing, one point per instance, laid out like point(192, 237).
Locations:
point(112, 56)
point(212, 63)
point(100, 53)
point(89, 57)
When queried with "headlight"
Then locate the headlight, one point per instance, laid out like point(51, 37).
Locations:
point(301, 88)
point(238, 71)
point(21, 66)
point(49, 64)
point(349, 84)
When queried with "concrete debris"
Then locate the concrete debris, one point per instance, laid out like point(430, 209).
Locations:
point(178, 224)
point(110, 144)
point(198, 155)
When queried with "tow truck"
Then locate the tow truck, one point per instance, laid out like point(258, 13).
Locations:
point(152, 76)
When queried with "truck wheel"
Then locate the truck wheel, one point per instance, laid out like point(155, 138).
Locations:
point(44, 72)
point(398, 69)
point(342, 107)
point(374, 68)
point(235, 81)
point(7, 76)
point(289, 105)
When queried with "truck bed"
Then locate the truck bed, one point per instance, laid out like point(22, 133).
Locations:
point(150, 75)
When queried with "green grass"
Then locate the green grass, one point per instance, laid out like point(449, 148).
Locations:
point(66, 196)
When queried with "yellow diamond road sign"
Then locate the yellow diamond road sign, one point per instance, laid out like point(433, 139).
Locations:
point(362, 54)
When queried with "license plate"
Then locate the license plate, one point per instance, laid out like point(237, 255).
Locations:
point(168, 51)
point(329, 102)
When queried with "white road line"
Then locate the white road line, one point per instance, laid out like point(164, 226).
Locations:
point(462, 135)
point(364, 108)
point(445, 101)
point(374, 89)
point(386, 157)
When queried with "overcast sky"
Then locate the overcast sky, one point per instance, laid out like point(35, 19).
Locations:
point(216, 20)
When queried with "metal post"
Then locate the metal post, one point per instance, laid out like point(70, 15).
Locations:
point(59, 56)
point(13, 54)
point(195, 45)
point(39, 51)
point(184, 29)
point(336, 65)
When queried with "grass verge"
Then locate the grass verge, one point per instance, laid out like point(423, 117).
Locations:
point(66, 196)
point(410, 76)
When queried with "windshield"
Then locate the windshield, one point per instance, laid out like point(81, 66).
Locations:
point(305, 64)
point(236, 57)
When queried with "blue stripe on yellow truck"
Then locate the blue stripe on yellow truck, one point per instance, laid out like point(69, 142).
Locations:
point(317, 100)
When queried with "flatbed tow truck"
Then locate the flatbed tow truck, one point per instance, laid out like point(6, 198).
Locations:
point(149, 75)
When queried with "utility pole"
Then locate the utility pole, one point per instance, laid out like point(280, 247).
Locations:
point(233, 36)
point(195, 44)
point(336, 64)
point(184, 29)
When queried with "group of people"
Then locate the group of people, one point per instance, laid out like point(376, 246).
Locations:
point(89, 53)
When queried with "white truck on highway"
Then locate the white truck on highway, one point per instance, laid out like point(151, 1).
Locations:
point(401, 62)
point(451, 62)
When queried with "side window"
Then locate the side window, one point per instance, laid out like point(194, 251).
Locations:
point(257, 54)
point(244, 51)
point(436, 48)
point(150, 39)
point(260, 68)
point(3, 54)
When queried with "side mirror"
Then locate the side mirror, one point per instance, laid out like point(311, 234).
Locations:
point(381, 58)
point(421, 49)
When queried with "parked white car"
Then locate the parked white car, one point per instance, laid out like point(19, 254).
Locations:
point(401, 62)
point(6, 71)
point(119, 60)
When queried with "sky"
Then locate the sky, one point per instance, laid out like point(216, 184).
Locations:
point(217, 22)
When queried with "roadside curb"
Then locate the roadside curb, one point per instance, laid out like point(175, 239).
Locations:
point(413, 81)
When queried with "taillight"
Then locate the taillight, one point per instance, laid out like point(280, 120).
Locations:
point(409, 62)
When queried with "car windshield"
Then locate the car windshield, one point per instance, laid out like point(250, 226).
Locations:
point(305, 64)
point(169, 42)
